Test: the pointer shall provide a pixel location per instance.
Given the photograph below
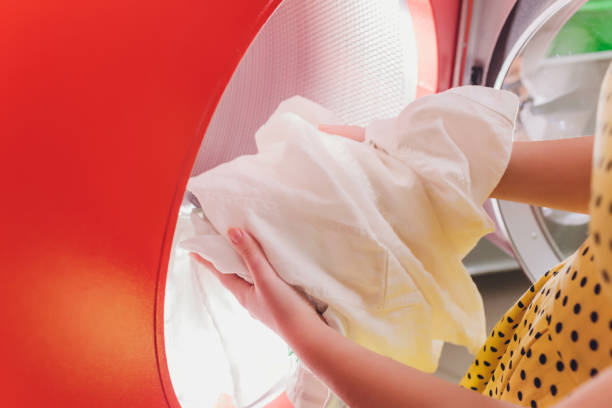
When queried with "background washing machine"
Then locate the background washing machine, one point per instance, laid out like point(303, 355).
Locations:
point(105, 106)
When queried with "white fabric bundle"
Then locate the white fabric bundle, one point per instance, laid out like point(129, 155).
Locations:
point(373, 232)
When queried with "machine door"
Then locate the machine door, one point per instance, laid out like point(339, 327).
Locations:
point(554, 60)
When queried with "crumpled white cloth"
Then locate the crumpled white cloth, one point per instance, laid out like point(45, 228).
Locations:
point(373, 232)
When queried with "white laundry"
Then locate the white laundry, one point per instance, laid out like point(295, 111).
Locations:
point(374, 231)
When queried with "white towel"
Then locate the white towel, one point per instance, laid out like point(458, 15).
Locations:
point(374, 232)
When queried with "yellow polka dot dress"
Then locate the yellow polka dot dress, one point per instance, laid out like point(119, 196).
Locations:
point(559, 334)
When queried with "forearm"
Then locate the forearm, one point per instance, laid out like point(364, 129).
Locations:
point(362, 378)
point(550, 173)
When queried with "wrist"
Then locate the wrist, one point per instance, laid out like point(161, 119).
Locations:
point(305, 335)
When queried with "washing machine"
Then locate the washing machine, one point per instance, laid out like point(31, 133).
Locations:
point(109, 106)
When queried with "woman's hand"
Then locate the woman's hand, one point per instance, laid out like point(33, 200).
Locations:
point(269, 299)
point(356, 133)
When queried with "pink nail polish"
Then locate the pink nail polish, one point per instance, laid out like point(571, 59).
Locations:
point(235, 235)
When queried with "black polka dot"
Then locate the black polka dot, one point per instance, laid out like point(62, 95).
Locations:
point(490, 393)
point(486, 363)
point(577, 308)
point(583, 282)
point(574, 336)
point(536, 309)
point(476, 362)
point(593, 344)
point(573, 364)
point(584, 252)
point(474, 388)
point(522, 351)
point(594, 317)
point(537, 335)
point(564, 300)
point(553, 390)
point(593, 372)
point(520, 304)
point(508, 387)
point(542, 358)
point(503, 367)
point(574, 275)
point(597, 289)
point(560, 366)
point(514, 337)
point(529, 353)
point(604, 274)
point(537, 382)
point(531, 288)
point(509, 319)
point(493, 349)
point(596, 238)
point(558, 294)
point(480, 376)
point(523, 374)
point(469, 376)
point(558, 327)
point(548, 317)
point(534, 404)
point(519, 395)
point(500, 334)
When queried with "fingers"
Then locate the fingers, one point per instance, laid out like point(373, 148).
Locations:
point(232, 282)
point(251, 253)
point(356, 133)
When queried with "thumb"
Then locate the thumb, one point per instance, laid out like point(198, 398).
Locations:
point(252, 254)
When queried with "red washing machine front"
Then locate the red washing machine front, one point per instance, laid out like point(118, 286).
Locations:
point(105, 104)
point(435, 29)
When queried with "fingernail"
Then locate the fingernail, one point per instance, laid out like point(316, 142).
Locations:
point(235, 235)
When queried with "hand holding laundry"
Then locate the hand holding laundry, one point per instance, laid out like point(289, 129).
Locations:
point(372, 233)
point(269, 299)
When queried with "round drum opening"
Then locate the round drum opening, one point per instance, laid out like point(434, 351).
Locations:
point(556, 68)
point(358, 59)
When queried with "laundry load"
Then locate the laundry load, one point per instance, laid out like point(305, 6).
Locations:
point(373, 232)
